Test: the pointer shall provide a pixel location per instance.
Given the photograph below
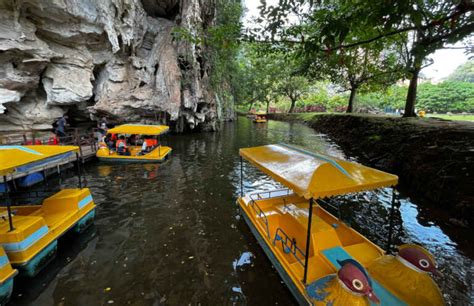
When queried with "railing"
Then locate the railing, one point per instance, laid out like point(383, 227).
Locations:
point(279, 192)
point(291, 248)
point(73, 136)
point(336, 208)
point(254, 197)
point(262, 215)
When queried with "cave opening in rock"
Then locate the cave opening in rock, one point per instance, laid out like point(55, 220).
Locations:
point(184, 64)
point(168, 9)
point(97, 71)
point(200, 60)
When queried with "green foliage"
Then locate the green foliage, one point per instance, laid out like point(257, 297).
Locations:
point(447, 97)
point(348, 40)
point(463, 73)
point(443, 97)
point(221, 43)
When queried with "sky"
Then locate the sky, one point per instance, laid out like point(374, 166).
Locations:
point(445, 60)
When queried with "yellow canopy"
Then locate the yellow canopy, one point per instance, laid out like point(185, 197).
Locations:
point(13, 157)
point(139, 129)
point(313, 175)
point(260, 113)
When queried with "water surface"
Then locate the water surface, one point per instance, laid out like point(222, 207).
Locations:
point(171, 234)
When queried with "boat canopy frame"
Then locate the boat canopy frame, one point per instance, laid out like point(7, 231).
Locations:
point(139, 129)
point(33, 159)
point(258, 160)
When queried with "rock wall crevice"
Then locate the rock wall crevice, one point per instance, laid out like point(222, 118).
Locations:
point(114, 58)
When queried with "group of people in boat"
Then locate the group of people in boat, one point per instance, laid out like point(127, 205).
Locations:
point(122, 144)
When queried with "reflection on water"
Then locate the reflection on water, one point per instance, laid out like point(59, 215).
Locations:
point(171, 234)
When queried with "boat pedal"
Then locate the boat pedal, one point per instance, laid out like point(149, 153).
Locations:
point(287, 250)
point(335, 225)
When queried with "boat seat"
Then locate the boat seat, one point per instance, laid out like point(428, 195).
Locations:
point(386, 297)
point(57, 219)
point(362, 252)
point(300, 215)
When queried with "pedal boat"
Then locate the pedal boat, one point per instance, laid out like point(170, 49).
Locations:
point(7, 274)
point(156, 155)
point(305, 242)
point(29, 233)
point(260, 117)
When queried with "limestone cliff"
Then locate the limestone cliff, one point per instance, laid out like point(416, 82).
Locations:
point(113, 58)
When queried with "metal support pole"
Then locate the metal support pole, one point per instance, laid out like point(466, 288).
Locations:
point(390, 226)
point(308, 240)
point(7, 199)
point(78, 164)
point(45, 179)
point(241, 177)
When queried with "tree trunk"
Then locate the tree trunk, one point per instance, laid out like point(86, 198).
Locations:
point(250, 107)
point(350, 107)
point(268, 106)
point(411, 95)
point(292, 107)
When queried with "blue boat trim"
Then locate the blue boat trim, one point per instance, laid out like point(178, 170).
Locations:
point(84, 222)
point(22, 148)
point(321, 157)
point(45, 161)
point(26, 243)
point(317, 289)
point(4, 261)
point(386, 297)
point(84, 201)
point(30, 179)
point(39, 261)
point(6, 290)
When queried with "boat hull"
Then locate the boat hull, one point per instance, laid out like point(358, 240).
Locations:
point(132, 160)
point(39, 261)
point(281, 271)
point(158, 155)
point(85, 222)
point(33, 243)
point(6, 290)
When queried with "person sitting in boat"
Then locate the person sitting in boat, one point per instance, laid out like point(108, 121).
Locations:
point(121, 146)
point(109, 141)
point(150, 143)
point(144, 148)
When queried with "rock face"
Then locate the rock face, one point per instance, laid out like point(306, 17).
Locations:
point(113, 58)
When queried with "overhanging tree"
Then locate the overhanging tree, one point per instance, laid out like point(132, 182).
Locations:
point(427, 25)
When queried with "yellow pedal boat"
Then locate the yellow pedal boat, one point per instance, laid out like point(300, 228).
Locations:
point(7, 273)
point(322, 260)
point(156, 153)
point(29, 233)
point(260, 117)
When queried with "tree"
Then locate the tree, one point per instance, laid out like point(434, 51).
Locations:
point(425, 26)
point(447, 97)
point(294, 87)
point(262, 71)
point(463, 73)
point(361, 69)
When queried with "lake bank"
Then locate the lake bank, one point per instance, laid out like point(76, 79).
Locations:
point(432, 157)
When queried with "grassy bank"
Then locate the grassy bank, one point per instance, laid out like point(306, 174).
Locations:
point(453, 117)
point(433, 158)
